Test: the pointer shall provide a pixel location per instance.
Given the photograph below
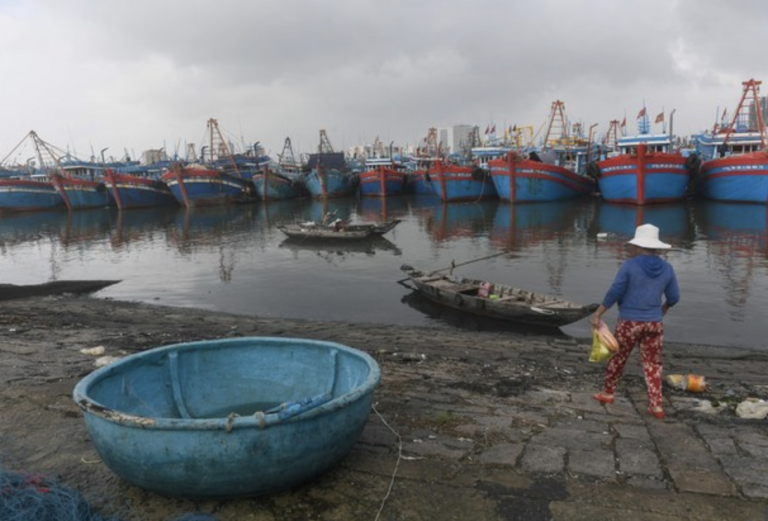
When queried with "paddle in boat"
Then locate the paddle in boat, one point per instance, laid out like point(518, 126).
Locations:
point(496, 301)
point(229, 417)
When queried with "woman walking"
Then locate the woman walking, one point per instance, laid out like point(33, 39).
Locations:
point(638, 288)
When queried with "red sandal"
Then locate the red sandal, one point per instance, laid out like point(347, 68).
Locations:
point(656, 414)
point(603, 398)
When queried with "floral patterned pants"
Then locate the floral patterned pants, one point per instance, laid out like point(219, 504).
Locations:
point(650, 337)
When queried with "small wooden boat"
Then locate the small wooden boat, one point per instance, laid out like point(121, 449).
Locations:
point(230, 417)
point(496, 300)
point(54, 287)
point(349, 232)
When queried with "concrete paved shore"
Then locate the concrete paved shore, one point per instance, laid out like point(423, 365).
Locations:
point(466, 425)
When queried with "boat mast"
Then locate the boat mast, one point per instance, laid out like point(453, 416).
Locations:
point(325, 144)
point(744, 110)
point(219, 145)
point(611, 138)
point(557, 126)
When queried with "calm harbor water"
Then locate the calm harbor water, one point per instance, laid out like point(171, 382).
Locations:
point(234, 259)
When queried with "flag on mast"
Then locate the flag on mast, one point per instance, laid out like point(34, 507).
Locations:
point(641, 113)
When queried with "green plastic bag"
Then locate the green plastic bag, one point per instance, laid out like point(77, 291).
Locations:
point(600, 351)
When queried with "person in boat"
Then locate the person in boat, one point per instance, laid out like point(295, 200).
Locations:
point(638, 288)
point(338, 225)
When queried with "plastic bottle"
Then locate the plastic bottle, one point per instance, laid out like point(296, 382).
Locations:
point(694, 383)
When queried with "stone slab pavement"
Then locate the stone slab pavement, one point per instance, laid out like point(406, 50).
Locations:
point(466, 425)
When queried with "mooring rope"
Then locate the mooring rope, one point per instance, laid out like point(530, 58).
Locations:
point(397, 465)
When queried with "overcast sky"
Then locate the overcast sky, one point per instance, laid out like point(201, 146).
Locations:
point(138, 74)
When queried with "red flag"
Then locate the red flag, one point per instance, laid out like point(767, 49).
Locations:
point(493, 129)
point(486, 130)
point(624, 122)
point(641, 113)
point(660, 118)
point(724, 113)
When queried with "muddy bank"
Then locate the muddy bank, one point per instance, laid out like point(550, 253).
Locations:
point(493, 425)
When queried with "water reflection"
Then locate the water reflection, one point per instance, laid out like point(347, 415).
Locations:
point(617, 222)
point(378, 209)
point(516, 225)
point(17, 228)
point(367, 246)
point(450, 221)
point(736, 244)
point(136, 226)
point(81, 228)
point(274, 212)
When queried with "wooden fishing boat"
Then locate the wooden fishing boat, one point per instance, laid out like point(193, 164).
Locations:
point(555, 171)
point(230, 417)
point(645, 168)
point(349, 232)
point(496, 301)
point(735, 158)
point(54, 287)
point(329, 173)
point(220, 178)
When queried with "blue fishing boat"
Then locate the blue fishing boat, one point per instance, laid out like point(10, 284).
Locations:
point(382, 178)
point(329, 174)
point(283, 180)
point(81, 184)
point(230, 417)
point(457, 182)
point(22, 192)
point(217, 179)
point(644, 168)
point(554, 172)
point(139, 184)
point(735, 160)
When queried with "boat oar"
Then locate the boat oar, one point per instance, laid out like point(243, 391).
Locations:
point(454, 265)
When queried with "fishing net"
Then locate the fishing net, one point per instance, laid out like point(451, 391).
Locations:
point(33, 497)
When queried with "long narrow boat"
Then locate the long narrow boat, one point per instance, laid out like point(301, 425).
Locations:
point(645, 168)
point(231, 417)
point(735, 160)
point(54, 287)
point(349, 232)
point(497, 301)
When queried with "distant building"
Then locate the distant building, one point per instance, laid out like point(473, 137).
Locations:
point(456, 139)
point(149, 157)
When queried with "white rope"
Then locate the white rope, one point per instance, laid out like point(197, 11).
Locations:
point(397, 465)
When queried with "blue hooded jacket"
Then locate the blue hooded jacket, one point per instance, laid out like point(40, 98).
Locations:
point(639, 286)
